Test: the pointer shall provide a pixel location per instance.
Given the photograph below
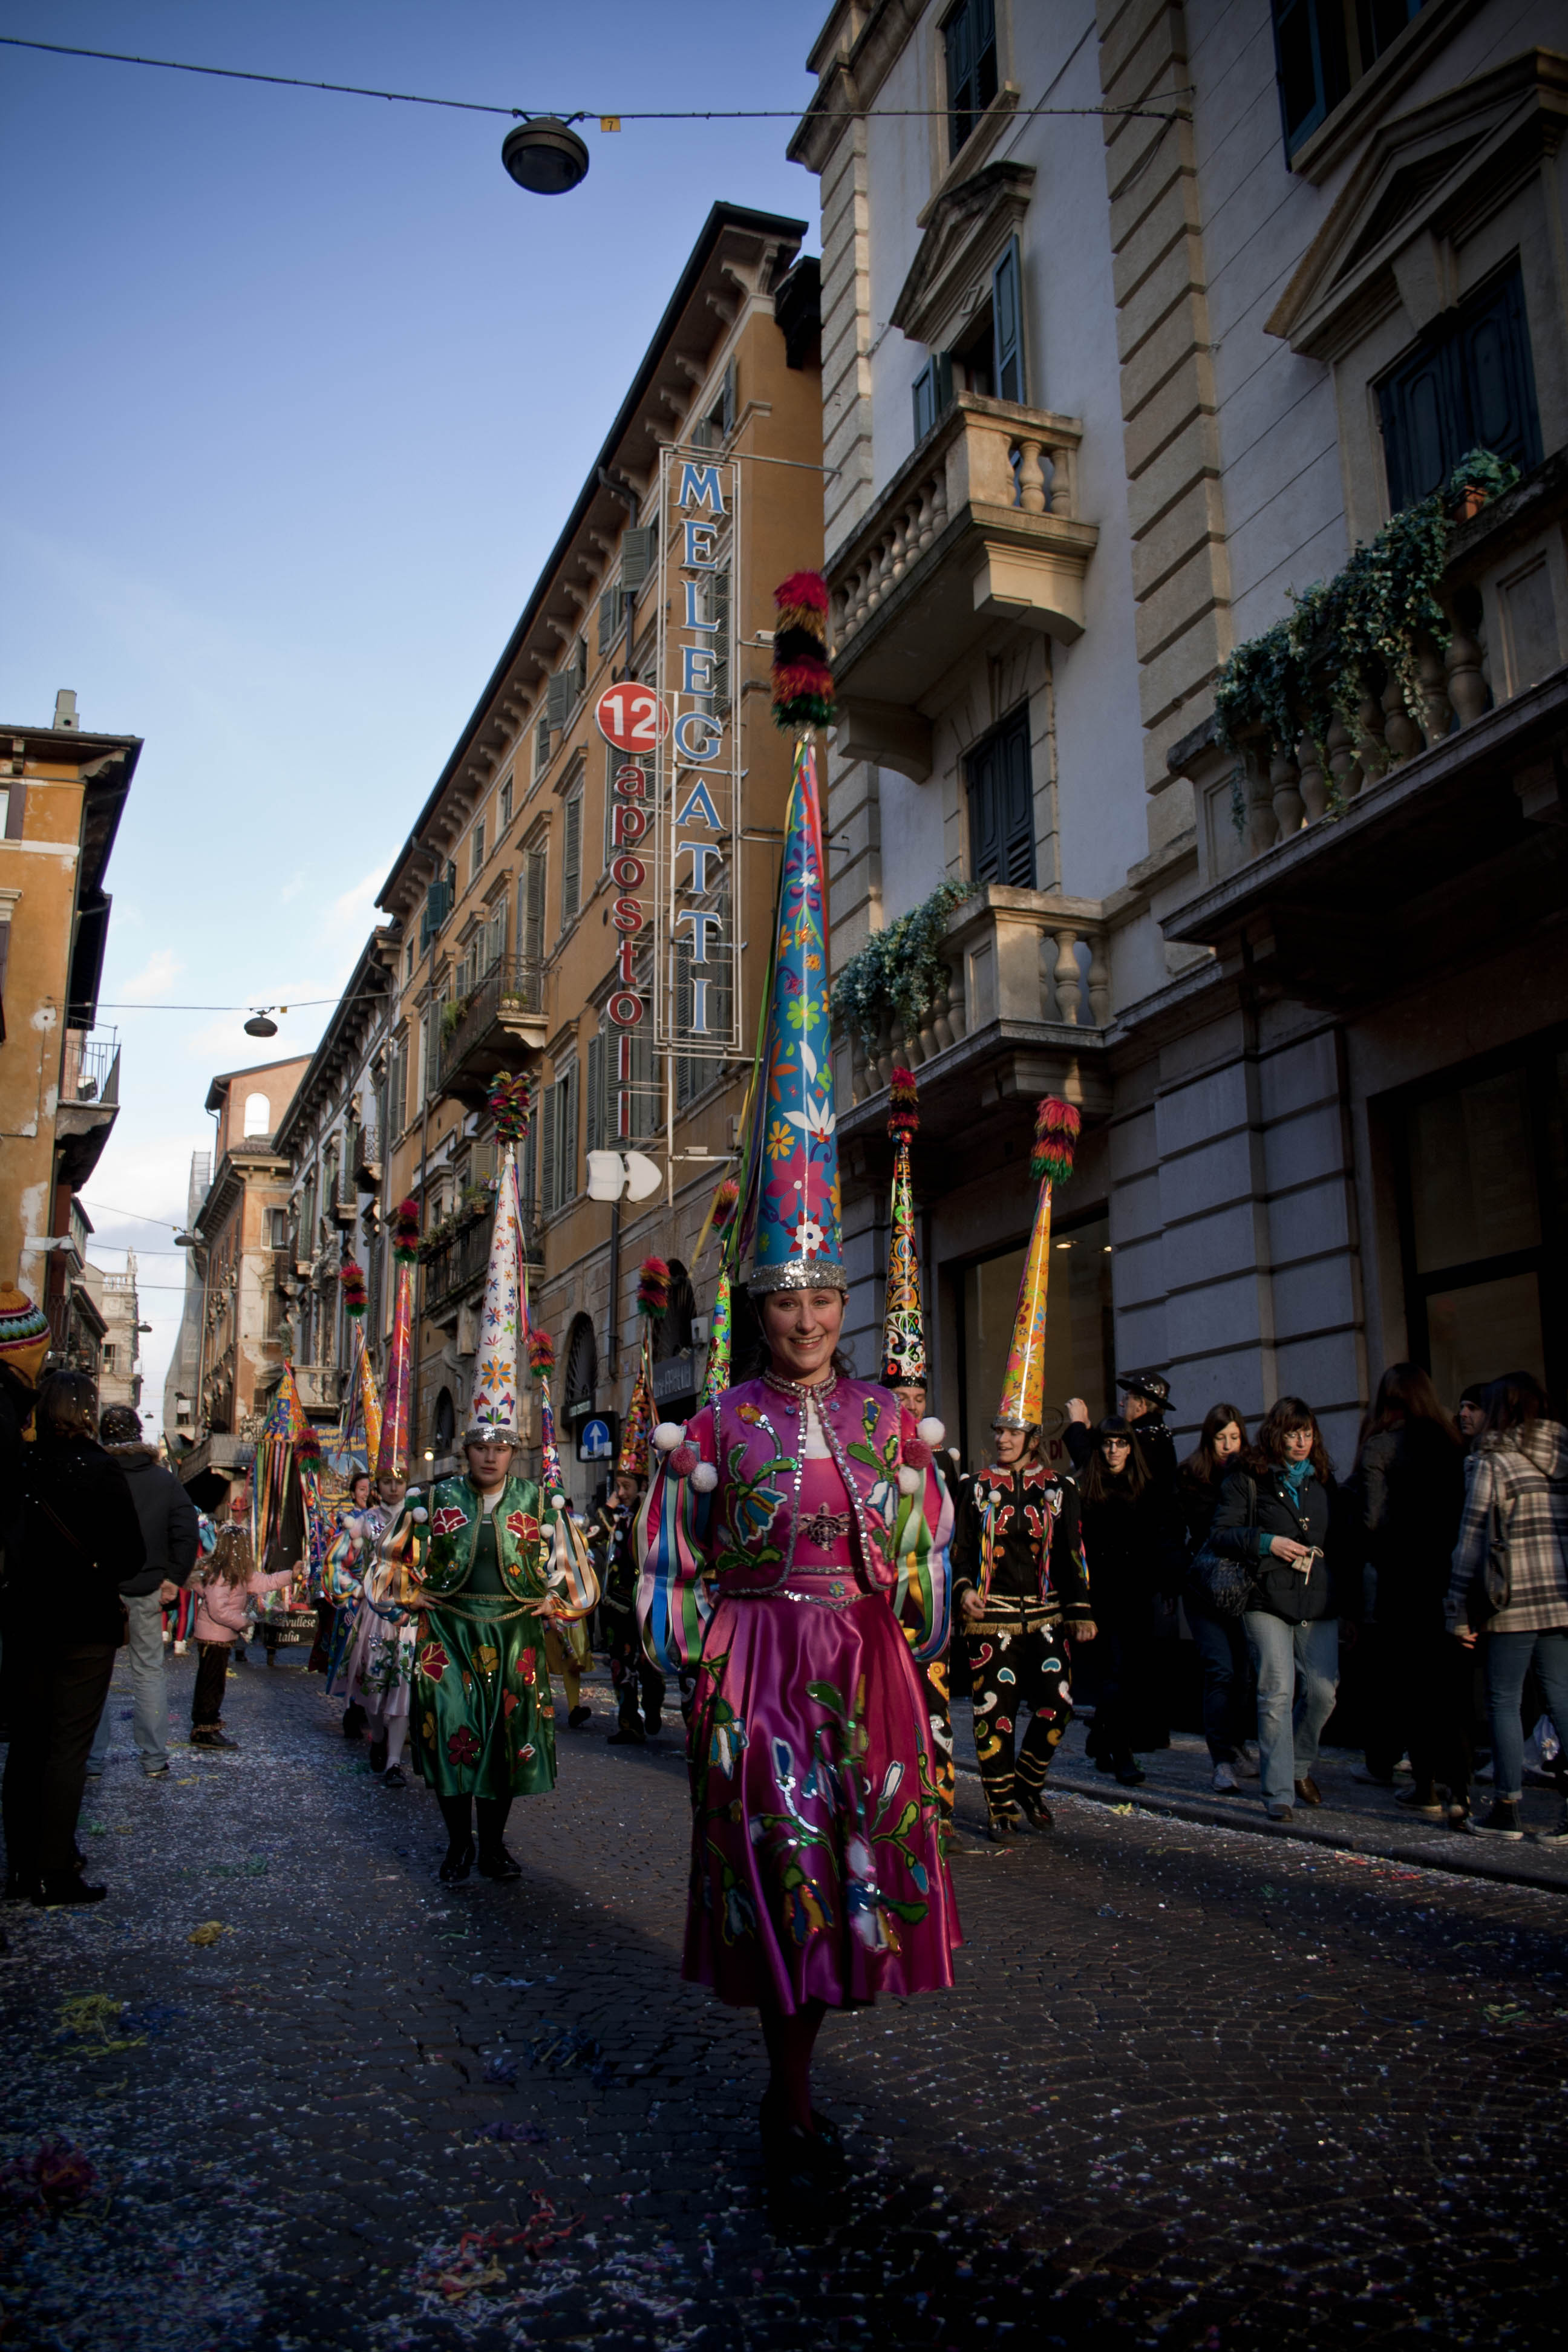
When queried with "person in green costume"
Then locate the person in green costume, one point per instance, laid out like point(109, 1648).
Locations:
point(482, 1719)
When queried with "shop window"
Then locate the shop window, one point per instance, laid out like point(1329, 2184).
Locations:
point(1080, 1359)
point(1002, 806)
point(1483, 1188)
point(1470, 384)
point(969, 42)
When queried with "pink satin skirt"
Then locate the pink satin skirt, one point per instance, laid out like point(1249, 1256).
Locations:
point(816, 1866)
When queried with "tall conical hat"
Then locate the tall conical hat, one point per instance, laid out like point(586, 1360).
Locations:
point(1024, 1388)
point(391, 1459)
point(362, 1398)
point(494, 1412)
point(637, 1427)
point(793, 1208)
point(720, 1343)
point(903, 1329)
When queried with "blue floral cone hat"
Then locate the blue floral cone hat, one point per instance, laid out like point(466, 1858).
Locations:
point(793, 1194)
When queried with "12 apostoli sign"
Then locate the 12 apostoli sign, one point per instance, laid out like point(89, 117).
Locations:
point(675, 819)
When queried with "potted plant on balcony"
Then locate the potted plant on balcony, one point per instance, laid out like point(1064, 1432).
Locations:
point(899, 974)
point(1359, 655)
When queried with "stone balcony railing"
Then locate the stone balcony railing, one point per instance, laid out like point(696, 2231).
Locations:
point(1505, 592)
point(1328, 876)
point(980, 524)
point(1027, 998)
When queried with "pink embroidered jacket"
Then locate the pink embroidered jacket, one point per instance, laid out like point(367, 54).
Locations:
point(732, 1524)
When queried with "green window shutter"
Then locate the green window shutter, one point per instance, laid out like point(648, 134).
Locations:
point(571, 858)
point(728, 402)
point(595, 1122)
point(557, 700)
point(637, 548)
point(548, 1126)
point(567, 1141)
point(1008, 326)
point(609, 620)
point(541, 741)
point(531, 910)
point(722, 639)
point(527, 1172)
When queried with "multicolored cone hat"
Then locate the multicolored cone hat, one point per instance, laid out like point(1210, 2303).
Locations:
point(494, 1410)
point(903, 1326)
point(362, 1397)
point(721, 1224)
point(1024, 1388)
point(541, 1363)
point(24, 1334)
point(391, 1459)
point(792, 1193)
point(653, 1299)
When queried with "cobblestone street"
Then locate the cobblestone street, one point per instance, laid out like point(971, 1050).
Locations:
point(1194, 2086)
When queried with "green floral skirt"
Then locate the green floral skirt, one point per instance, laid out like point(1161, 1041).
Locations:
point(482, 1720)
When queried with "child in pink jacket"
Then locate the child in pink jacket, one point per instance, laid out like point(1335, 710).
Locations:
point(229, 1579)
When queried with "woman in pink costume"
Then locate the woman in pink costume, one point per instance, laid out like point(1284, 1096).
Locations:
point(790, 1526)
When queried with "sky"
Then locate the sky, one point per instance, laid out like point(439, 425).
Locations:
point(300, 389)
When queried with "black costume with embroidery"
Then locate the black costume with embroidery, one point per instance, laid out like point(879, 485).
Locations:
point(636, 1683)
point(1016, 1543)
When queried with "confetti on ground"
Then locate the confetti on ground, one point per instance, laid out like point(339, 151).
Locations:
point(208, 1932)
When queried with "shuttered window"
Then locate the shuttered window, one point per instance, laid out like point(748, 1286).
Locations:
point(566, 1137)
point(1008, 326)
point(598, 1122)
point(932, 391)
point(1471, 384)
point(720, 697)
point(547, 1127)
point(969, 42)
point(1002, 806)
point(639, 547)
point(531, 904)
point(572, 856)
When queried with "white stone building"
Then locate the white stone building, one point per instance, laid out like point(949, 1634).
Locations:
point(1136, 320)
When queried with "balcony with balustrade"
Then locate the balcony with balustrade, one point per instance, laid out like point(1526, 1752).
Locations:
point(1022, 1009)
point(455, 1262)
point(493, 1028)
point(1331, 868)
point(89, 1100)
point(980, 524)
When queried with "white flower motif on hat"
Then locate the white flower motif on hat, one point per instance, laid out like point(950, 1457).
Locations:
point(809, 1237)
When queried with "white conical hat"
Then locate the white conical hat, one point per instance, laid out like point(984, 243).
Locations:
point(497, 1363)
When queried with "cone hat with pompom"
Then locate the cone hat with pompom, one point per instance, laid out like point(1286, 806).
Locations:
point(1024, 1388)
point(903, 1326)
point(391, 1457)
point(653, 1302)
point(357, 1300)
point(497, 1406)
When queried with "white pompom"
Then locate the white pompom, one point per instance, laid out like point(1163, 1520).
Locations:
point(420, 1516)
point(911, 1480)
point(668, 1434)
point(930, 1431)
point(705, 1477)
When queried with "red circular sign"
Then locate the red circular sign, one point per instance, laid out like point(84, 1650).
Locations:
point(631, 717)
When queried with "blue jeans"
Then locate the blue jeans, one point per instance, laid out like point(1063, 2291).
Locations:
point(1297, 1670)
point(1227, 1685)
point(149, 1700)
point(1509, 1658)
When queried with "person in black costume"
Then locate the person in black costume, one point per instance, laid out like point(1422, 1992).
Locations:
point(1145, 1396)
point(1019, 1588)
point(1129, 1535)
point(76, 1537)
point(638, 1683)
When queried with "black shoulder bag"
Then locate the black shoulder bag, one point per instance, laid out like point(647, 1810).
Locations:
point(1222, 1585)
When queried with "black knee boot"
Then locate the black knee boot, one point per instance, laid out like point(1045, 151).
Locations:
point(457, 1814)
point(494, 1859)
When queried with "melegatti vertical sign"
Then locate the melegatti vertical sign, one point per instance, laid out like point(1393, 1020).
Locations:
point(697, 763)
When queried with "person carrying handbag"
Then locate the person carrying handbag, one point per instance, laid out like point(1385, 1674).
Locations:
point(1276, 1513)
point(1510, 1579)
point(79, 1538)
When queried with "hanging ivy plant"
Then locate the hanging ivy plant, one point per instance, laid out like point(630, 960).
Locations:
point(900, 971)
point(1343, 638)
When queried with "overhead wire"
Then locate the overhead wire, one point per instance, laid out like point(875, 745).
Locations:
point(523, 114)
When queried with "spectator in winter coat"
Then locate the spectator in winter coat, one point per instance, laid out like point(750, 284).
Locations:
point(78, 1536)
point(1132, 1545)
point(1229, 1709)
point(1514, 1535)
point(1144, 1396)
point(168, 1522)
point(1406, 1493)
point(230, 1581)
point(1279, 1513)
